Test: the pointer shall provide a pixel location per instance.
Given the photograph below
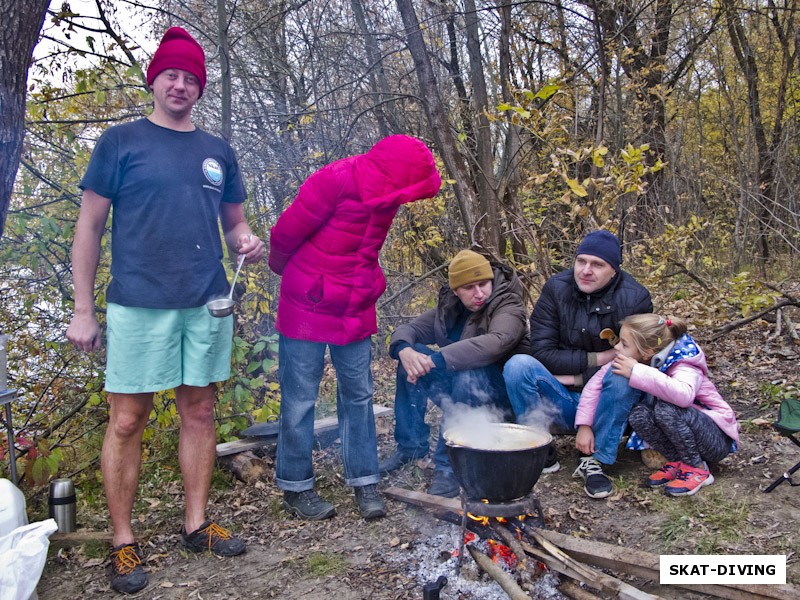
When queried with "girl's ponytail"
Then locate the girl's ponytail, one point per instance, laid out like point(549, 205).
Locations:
point(677, 327)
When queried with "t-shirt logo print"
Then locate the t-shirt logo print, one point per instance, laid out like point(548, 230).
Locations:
point(213, 171)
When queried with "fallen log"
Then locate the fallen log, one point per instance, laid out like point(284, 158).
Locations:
point(269, 433)
point(79, 537)
point(246, 466)
point(574, 591)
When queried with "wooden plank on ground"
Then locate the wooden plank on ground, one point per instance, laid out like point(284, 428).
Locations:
point(79, 537)
point(646, 566)
point(320, 426)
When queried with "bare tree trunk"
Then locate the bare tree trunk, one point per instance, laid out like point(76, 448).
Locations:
point(377, 77)
point(509, 168)
point(20, 32)
point(454, 162)
point(764, 184)
point(225, 69)
point(485, 183)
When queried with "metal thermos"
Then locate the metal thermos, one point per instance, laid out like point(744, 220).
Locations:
point(62, 504)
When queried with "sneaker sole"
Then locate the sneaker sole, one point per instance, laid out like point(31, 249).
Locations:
point(373, 514)
point(656, 484)
point(133, 590)
point(319, 517)
point(212, 551)
point(708, 481)
point(597, 495)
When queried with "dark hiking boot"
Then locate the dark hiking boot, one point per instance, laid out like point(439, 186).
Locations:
point(370, 503)
point(212, 537)
point(596, 484)
point(127, 573)
point(444, 484)
point(308, 505)
point(395, 461)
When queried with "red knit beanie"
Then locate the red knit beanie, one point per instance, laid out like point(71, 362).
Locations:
point(178, 50)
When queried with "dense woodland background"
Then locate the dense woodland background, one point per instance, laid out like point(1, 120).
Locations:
point(672, 123)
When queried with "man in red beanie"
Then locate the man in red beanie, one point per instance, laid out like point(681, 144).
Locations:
point(170, 184)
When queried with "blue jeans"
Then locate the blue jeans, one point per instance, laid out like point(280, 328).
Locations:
point(538, 399)
point(300, 372)
point(474, 387)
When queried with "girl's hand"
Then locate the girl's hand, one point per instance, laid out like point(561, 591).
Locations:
point(623, 365)
point(584, 440)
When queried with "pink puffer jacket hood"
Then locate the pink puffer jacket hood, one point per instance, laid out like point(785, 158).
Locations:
point(327, 242)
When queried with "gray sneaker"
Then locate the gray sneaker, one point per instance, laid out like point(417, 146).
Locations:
point(370, 503)
point(595, 482)
point(308, 505)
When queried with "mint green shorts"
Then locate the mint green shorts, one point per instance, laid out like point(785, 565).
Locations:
point(150, 350)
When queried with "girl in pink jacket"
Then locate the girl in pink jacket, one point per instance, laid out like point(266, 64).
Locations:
point(682, 415)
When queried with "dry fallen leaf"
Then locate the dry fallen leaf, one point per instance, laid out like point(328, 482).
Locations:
point(93, 562)
point(395, 541)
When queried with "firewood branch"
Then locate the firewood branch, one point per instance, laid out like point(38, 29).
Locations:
point(505, 580)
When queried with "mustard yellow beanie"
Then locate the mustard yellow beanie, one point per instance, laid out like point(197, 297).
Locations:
point(468, 267)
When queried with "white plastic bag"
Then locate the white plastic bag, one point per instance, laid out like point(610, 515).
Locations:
point(12, 507)
point(23, 553)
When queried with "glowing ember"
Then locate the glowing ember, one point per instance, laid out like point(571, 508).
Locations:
point(502, 554)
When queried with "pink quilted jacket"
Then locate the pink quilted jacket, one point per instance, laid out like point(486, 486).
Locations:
point(326, 244)
point(685, 384)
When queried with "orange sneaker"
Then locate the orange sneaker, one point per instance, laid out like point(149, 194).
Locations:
point(689, 480)
point(664, 475)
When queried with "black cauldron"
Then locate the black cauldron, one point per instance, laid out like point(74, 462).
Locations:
point(498, 462)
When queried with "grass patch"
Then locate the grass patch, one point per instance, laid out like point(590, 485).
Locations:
point(704, 523)
point(95, 549)
point(323, 564)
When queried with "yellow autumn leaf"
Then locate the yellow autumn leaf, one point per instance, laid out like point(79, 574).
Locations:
point(577, 188)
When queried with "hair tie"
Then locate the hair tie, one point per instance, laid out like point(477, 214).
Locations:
point(660, 320)
point(669, 322)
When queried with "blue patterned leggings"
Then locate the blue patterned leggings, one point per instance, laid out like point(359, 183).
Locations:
point(680, 434)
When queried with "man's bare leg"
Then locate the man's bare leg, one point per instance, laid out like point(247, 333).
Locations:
point(197, 450)
point(122, 457)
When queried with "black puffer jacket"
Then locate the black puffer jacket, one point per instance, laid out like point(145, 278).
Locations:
point(566, 323)
point(490, 336)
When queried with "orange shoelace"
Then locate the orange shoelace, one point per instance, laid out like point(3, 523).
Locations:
point(126, 560)
point(214, 533)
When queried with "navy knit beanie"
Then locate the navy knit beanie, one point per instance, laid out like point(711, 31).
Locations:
point(602, 244)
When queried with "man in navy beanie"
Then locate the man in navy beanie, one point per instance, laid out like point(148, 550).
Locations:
point(575, 306)
point(172, 186)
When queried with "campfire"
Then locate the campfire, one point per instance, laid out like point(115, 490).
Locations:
point(503, 526)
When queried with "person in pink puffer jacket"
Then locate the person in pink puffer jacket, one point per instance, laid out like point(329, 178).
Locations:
point(326, 246)
point(682, 415)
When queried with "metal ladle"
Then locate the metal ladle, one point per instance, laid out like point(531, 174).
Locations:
point(222, 307)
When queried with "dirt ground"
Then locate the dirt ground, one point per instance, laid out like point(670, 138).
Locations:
point(393, 558)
